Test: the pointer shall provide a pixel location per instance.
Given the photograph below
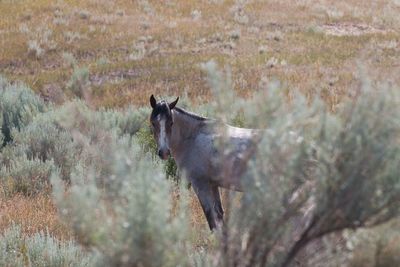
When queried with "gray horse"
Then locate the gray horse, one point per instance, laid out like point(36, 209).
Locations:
point(197, 146)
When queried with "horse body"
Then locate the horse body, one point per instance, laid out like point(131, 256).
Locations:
point(210, 154)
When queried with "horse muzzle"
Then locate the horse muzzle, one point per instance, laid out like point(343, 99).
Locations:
point(164, 153)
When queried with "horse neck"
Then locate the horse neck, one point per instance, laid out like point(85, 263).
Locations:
point(184, 128)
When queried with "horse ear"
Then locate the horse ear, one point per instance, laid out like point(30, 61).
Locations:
point(173, 104)
point(153, 101)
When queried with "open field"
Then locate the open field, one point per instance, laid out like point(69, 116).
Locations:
point(134, 48)
point(115, 54)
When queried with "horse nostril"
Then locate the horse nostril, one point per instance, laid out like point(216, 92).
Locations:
point(164, 153)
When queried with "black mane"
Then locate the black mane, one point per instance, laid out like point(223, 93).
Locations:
point(163, 108)
point(190, 114)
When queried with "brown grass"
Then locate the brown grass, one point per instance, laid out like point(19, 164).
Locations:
point(33, 214)
point(293, 32)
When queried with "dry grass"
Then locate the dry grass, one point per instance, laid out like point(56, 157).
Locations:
point(39, 213)
point(33, 214)
point(316, 44)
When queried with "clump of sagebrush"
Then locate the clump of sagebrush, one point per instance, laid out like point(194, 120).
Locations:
point(313, 172)
point(69, 59)
point(55, 139)
point(39, 250)
point(146, 7)
point(76, 115)
point(79, 82)
point(40, 40)
point(71, 37)
point(251, 235)
point(128, 121)
point(18, 106)
point(139, 50)
point(38, 149)
point(130, 220)
point(357, 155)
point(92, 129)
point(45, 140)
point(26, 176)
point(239, 14)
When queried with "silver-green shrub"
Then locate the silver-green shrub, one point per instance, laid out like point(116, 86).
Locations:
point(44, 140)
point(79, 81)
point(57, 139)
point(18, 106)
point(26, 176)
point(314, 173)
point(128, 121)
point(39, 250)
point(76, 115)
point(129, 222)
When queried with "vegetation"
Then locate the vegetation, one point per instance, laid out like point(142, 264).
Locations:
point(39, 250)
point(80, 183)
point(18, 105)
point(151, 45)
point(340, 167)
point(119, 204)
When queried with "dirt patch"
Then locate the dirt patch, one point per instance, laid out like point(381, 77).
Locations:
point(337, 29)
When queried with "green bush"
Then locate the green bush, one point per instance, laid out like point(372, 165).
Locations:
point(39, 250)
point(44, 140)
point(62, 138)
point(341, 168)
point(128, 121)
point(79, 82)
point(18, 106)
point(26, 176)
point(77, 116)
point(128, 222)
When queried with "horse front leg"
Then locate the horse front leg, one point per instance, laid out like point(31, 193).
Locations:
point(205, 194)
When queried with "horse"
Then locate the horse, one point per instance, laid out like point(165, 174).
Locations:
point(211, 154)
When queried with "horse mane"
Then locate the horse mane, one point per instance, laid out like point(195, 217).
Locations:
point(190, 114)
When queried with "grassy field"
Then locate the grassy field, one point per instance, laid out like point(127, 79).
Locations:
point(134, 48)
point(117, 53)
